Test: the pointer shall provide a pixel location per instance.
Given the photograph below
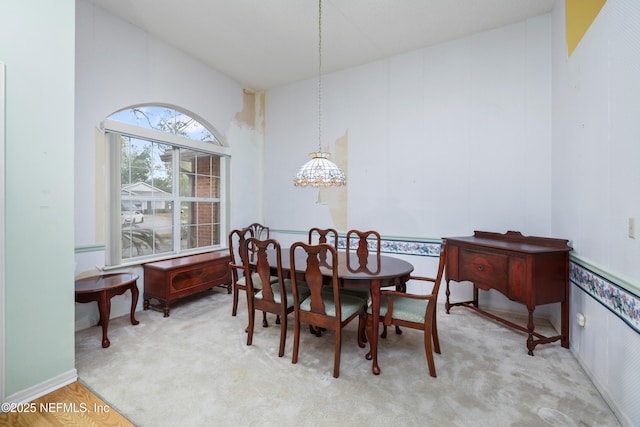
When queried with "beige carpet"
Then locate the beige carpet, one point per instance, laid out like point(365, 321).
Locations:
point(195, 369)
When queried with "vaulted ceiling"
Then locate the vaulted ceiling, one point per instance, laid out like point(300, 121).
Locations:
point(267, 43)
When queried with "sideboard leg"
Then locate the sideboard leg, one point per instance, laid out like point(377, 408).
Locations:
point(530, 327)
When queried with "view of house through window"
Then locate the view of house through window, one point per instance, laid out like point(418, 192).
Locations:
point(170, 187)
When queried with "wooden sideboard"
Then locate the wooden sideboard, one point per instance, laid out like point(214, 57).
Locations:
point(530, 270)
point(170, 280)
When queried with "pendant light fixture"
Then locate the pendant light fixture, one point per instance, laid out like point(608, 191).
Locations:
point(320, 171)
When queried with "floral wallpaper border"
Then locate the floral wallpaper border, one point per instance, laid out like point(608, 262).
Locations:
point(621, 302)
point(401, 247)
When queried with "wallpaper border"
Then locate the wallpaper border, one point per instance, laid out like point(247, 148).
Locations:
point(401, 247)
point(620, 301)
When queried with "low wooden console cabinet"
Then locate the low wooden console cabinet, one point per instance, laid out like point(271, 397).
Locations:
point(170, 280)
point(529, 270)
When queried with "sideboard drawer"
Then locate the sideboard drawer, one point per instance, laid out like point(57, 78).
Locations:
point(486, 270)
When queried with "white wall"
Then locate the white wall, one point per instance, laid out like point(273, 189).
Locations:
point(36, 46)
point(118, 65)
point(442, 141)
point(596, 177)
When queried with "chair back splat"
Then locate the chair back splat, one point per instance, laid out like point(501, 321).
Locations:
point(259, 231)
point(319, 235)
point(362, 251)
point(326, 307)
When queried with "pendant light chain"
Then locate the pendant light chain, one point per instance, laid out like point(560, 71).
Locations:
point(319, 76)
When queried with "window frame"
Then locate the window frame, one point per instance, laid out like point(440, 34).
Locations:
point(112, 130)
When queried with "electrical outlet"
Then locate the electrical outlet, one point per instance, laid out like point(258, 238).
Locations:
point(632, 228)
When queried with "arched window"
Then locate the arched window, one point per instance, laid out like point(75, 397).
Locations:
point(167, 192)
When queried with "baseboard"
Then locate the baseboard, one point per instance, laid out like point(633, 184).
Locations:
point(39, 390)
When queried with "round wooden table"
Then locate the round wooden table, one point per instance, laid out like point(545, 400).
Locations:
point(101, 289)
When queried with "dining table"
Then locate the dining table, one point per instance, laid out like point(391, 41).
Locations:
point(374, 272)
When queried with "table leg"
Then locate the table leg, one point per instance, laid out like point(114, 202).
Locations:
point(104, 306)
point(134, 302)
point(375, 317)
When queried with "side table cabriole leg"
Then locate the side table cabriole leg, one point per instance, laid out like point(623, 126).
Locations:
point(134, 303)
point(104, 306)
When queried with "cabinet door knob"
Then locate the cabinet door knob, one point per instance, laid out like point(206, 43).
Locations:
point(480, 267)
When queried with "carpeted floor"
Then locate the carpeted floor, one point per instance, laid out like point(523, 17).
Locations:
point(195, 369)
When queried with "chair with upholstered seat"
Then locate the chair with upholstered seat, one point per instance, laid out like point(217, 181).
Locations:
point(238, 259)
point(317, 236)
point(362, 252)
point(326, 307)
point(415, 311)
point(277, 297)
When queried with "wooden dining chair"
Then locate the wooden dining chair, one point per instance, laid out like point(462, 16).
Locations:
point(277, 297)
point(238, 259)
point(320, 235)
point(326, 307)
point(317, 236)
point(414, 311)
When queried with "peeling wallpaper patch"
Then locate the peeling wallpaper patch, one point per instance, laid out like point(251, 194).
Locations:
point(248, 114)
point(336, 197)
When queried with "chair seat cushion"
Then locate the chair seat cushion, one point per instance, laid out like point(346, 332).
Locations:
point(255, 279)
point(350, 304)
point(407, 309)
point(303, 290)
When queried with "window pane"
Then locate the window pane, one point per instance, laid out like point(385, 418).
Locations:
point(187, 184)
point(165, 120)
point(145, 231)
point(199, 224)
point(162, 169)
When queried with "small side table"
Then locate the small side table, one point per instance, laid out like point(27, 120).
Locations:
point(101, 289)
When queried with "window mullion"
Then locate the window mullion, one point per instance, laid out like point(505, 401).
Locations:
point(177, 203)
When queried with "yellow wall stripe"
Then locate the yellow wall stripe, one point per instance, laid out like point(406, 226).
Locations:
point(580, 15)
